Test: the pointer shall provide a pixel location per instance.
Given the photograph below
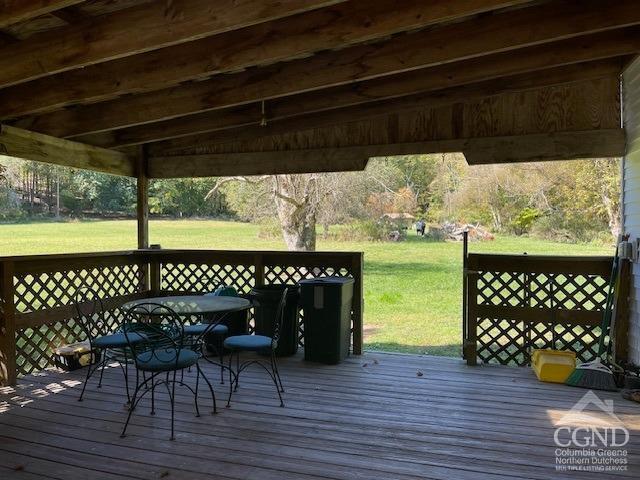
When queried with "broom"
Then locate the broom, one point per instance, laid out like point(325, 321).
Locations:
point(595, 375)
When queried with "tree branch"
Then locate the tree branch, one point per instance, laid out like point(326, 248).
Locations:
point(224, 180)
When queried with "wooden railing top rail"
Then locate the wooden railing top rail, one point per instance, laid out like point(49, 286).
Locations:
point(49, 262)
point(66, 256)
point(525, 263)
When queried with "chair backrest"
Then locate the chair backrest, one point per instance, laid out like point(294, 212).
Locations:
point(91, 314)
point(154, 333)
point(278, 321)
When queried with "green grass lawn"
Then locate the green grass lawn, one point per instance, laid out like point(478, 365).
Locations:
point(412, 288)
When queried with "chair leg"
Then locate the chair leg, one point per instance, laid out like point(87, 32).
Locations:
point(125, 370)
point(104, 362)
point(213, 395)
point(274, 377)
point(237, 370)
point(153, 392)
point(132, 407)
point(90, 371)
point(172, 398)
point(276, 371)
point(196, 392)
point(221, 355)
point(231, 379)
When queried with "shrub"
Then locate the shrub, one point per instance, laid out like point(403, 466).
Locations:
point(370, 230)
point(524, 220)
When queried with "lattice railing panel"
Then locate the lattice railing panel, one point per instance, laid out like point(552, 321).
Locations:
point(204, 277)
point(508, 340)
point(44, 288)
point(54, 289)
point(36, 292)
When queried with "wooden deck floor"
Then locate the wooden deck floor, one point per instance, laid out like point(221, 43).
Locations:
point(371, 417)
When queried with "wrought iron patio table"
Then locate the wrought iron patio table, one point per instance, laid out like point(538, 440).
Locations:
point(211, 310)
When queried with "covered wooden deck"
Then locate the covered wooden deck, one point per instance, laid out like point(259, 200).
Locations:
point(375, 416)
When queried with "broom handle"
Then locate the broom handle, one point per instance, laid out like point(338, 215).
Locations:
point(606, 318)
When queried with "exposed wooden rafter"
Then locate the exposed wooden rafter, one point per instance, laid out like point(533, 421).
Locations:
point(467, 72)
point(70, 15)
point(544, 78)
point(112, 36)
point(493, 34)
point(16, 11)
point(267, 43)
point(18, 143)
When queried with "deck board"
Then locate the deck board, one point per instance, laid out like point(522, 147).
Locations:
point(376, 416)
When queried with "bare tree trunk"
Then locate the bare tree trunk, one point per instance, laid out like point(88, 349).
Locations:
point(57, 195)
point(296, 213)
point(613, 215)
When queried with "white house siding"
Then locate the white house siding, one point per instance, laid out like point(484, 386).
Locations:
point(631, 191)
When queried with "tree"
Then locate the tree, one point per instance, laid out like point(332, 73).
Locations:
point(298, 200)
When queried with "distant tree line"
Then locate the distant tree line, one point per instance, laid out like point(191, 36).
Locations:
point(37, 190)
point(572, 201)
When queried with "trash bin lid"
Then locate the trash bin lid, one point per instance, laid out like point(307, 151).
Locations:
point(327, 281)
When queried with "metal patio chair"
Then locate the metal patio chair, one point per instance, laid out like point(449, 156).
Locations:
point(159, 357)
point(105, 347)
point(259, 344)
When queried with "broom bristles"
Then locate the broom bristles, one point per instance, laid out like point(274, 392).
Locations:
point(593, 375)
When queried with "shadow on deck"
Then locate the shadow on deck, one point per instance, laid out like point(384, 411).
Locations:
point(380, 415)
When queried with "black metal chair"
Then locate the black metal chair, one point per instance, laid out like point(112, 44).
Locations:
point(105, 347)
point(159, 356)
point(259, 344)
point(210, 333)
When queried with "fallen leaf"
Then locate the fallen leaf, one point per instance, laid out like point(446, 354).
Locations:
point(419, 373)
point(18, 468)
point(375, 362)
point(365, 364)
point(164, 474)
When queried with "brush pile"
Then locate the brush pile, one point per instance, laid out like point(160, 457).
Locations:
point(455, 231)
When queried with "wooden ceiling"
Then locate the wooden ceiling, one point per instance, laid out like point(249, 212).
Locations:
point(260, 86)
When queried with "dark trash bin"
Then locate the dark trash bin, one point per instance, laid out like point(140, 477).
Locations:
point(266, 299)
point(326, 303)
point(236, 322)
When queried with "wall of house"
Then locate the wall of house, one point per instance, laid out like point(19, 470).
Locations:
point(631, 192)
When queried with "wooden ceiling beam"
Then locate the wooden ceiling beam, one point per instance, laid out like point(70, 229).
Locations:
point(493, 34)
point(546, 147)
point(16, 11)
point(582, 49)
point(349, 114)
point(515, 148)
point(71, 16)
point(19, 143)
point(267, 43)
point(135, 30)
point(259, 163)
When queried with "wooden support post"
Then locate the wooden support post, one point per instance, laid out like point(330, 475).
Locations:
point(358, 303)
point(8, 367)
point(470, 345)
point(621, 328)
point(259, 273)
point(465, 253)
point(155, 275)
point(142, 208)
point(142, 216)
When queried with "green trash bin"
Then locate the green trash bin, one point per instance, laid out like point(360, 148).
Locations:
point(326, 303)
point(266, 299)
